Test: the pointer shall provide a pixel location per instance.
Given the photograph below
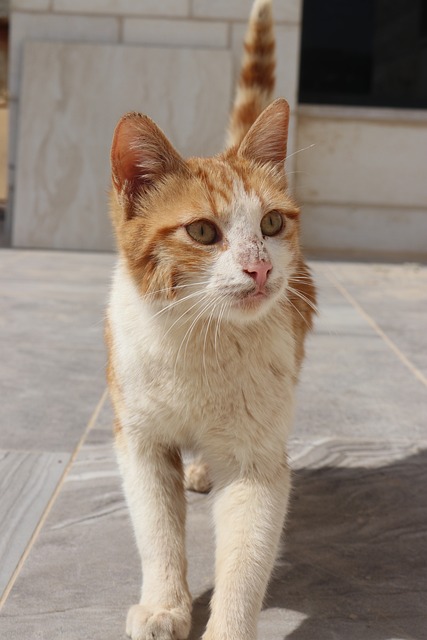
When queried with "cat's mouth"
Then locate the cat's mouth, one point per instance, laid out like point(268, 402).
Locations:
point(252, 299)
point(257, 295)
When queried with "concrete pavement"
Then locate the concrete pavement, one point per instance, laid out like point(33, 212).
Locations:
point(354, 561)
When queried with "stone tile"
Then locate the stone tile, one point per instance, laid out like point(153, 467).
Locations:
point(354, 560)
point(102, 430)
point(28, 26)
point(335, 316)
point(56, 266)
point(88, 538)
point(358, 231)
point(187, 91)
point(353, 386)
point(319, 451)
point(124, 7)
point(55, 299)
point(8, 258)
point(338, 319)
point(87, 532)
point(27, 481)
point(395, 296)
point(285, 10)
point(57, 323)
point(173, 33)
point(353, 563)
point(64, 315)
point(51, 338)
point(372, 173)
point(287, 55)
point(355, 553)
point(48, 394)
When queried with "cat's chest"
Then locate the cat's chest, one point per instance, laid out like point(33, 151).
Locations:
point(216, 371)
point(203, 374)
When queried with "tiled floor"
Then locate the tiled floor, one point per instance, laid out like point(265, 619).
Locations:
point(354, 563)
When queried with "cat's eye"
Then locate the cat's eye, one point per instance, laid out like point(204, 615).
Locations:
point(203, 231)
point(272, 223)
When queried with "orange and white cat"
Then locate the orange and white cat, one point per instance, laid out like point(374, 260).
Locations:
point(210, 305)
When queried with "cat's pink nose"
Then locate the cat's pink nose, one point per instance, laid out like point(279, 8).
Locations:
point(259, 272)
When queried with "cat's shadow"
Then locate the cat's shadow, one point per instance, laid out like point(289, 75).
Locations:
point(354, 563)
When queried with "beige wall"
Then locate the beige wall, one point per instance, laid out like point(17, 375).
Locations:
point(189, 25)
point(361, 178)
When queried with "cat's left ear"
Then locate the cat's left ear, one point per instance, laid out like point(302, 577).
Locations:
point(266, 141)
point(141, 155)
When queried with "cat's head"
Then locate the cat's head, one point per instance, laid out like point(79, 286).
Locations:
point(217, 235)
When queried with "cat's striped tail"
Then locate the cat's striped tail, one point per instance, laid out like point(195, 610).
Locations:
point(257, 74)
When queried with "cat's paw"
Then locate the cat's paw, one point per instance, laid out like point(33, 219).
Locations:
point(162, 624)
point(197, 477)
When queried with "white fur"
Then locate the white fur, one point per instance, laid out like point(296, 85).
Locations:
point(220, 381)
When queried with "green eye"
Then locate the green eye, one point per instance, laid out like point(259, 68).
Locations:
point(203, 231)
point(272, 223)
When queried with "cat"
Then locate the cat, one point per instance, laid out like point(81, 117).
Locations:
point(210, 304)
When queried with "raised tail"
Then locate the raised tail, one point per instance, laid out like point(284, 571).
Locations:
point(257, 74)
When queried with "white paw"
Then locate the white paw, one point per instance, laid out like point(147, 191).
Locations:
point(162, 624)
point(197, 477)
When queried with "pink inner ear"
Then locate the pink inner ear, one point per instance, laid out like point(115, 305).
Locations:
point(266, 140)
point(125, 154)
point(141, 153)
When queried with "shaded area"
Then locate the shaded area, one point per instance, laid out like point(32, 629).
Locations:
point(355, 556)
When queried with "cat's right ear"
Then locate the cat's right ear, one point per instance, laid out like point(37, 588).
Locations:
point(140, 156)
point(266, 140)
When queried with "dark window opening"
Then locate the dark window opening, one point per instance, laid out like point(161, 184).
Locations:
point(364, 52)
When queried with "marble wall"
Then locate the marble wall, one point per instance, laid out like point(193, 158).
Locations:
point(359, 173)
point(361, 176)
point(72, 98)
point(175, 60)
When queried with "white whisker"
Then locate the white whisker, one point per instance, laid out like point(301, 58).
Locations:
point(299, 150)
point(208, 322)
point(218, 324)
point(186, 340)
point(177, 286)
point(198, 302)
point(303, 298)
point(176, 302)
point(225, 306)
point(297, 310)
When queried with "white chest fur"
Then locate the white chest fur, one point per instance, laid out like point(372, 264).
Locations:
point(218, 385)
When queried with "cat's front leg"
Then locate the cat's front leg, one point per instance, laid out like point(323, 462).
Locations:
point(249, 515)
point(153, 483)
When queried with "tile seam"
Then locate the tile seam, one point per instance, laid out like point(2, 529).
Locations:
point(52, 500)
point(389, 342)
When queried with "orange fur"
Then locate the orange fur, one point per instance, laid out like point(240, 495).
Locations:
point(231, 399)
point(146, 222)
point(257, 75)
